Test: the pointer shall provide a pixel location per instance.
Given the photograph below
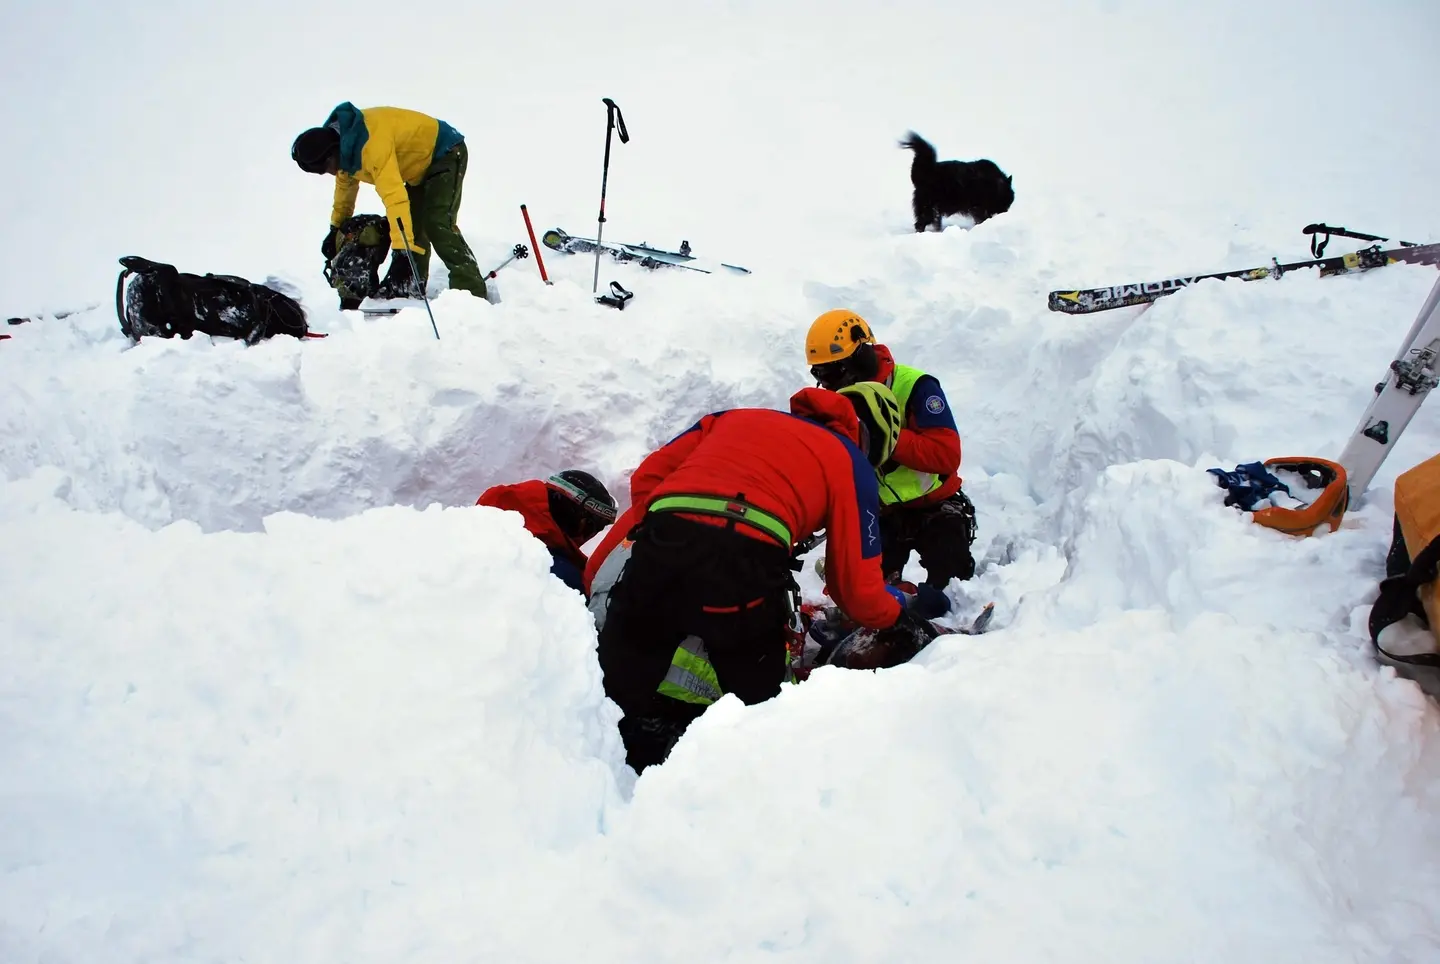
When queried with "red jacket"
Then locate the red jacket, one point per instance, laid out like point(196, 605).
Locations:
point(929, 441)
point(803, 467)
point(532, 500)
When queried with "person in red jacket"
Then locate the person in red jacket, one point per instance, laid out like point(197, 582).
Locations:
point(921, 505)
point(702, 605)
point(564, 512)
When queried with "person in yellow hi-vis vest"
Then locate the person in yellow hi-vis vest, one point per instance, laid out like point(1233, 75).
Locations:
point(921, 505)
point(417, 166)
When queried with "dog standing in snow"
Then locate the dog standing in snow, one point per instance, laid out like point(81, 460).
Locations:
point(976, 189)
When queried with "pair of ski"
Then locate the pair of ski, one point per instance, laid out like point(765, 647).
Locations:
point(1084, 301)
point(641, 254)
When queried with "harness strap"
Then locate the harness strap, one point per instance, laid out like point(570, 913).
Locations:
point(766, 522)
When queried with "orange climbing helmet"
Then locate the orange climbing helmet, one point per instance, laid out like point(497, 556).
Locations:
point(835, 335)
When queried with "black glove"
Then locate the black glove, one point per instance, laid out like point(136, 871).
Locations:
point(928, 602)
point(399, 279)
point(329, 245)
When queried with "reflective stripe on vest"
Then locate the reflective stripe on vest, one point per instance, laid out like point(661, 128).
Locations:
point(691, 678)
point(905, 484)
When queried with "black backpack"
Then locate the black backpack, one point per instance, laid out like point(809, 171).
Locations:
point(154, 299)
point(361, 249)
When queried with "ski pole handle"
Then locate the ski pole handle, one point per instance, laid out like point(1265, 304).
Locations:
point(1342, 232)
point(1317, 245)
point(616, 119)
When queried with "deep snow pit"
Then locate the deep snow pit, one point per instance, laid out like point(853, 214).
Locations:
point(273, 688)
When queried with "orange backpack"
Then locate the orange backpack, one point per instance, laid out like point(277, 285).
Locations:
point(1413, 567)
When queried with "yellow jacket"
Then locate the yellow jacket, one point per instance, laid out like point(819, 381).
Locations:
point(388, 147)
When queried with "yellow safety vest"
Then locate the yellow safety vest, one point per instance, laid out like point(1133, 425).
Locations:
point(905, 484)
point(691, 678)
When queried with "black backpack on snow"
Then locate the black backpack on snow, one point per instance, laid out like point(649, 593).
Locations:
point(155, 299)
point(361, 249)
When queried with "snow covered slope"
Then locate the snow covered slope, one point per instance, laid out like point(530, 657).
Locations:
point(273, 688)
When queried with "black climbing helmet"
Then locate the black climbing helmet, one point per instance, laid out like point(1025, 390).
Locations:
point(580, 504)
point(313, 148)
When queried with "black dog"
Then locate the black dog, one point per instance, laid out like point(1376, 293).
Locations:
point(976, 189)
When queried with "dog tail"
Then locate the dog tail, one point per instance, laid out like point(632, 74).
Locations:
point(924, 151)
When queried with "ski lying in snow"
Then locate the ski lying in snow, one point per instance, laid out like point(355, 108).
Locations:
point(1086, 300)
point(641, 254)
point(378, 307)
point(980, 623)
point(1414, 371)
point(56, 315)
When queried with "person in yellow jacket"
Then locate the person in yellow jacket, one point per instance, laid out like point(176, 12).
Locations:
point(417, 166)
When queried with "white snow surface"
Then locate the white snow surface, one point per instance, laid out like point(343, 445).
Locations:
point(272, 688)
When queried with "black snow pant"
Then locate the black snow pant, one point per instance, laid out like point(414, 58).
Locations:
point(690, 578)
point(942, 532)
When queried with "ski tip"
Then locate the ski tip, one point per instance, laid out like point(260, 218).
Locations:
point(981, 622)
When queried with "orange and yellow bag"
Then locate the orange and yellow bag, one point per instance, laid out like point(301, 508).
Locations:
point(1413, 567)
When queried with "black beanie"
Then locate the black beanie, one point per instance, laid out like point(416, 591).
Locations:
point(314, 147)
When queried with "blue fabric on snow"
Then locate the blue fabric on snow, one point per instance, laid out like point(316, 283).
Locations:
point(1249, 485)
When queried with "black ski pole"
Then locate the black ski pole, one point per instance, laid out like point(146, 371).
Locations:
point(613, 120)
point(1317, 244)
point(415, 276)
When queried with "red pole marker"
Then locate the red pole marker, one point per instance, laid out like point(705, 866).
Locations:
point(533, 246)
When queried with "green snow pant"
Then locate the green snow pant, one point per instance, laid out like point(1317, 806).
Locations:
point(434, 205)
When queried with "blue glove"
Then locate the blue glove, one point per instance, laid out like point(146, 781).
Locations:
point(928, 602)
